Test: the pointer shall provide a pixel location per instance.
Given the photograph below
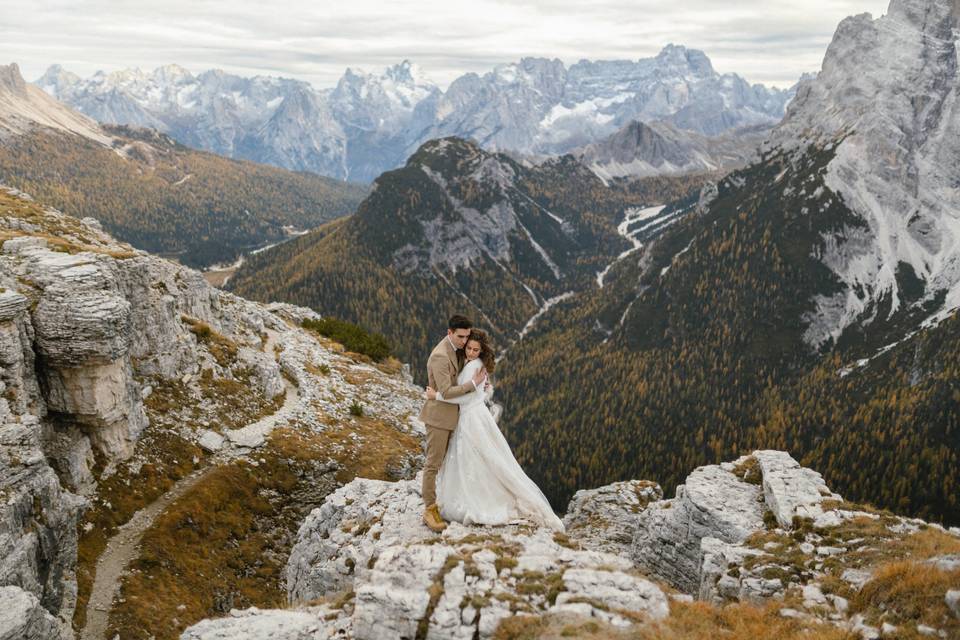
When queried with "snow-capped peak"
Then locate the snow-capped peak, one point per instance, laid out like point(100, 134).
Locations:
point(56, 79)
point(886, 104)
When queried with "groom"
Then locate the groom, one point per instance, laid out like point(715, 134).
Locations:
point(446, 361)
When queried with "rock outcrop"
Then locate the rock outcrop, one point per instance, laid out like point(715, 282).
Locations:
point(712, 502)
point(725, 504)
point(368, 538)
point(759, 529)
point(103, 345)
point(606, 518)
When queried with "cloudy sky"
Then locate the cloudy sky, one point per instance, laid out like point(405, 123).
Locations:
point(768, 41)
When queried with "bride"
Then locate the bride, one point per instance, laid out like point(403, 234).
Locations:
point(480, 482)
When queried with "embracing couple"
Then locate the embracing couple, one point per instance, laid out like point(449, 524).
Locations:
point(470, 473)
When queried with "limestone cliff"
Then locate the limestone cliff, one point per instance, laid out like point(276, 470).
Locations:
point(105, 347)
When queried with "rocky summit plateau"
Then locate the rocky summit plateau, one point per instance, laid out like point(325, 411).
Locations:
point(760, 531)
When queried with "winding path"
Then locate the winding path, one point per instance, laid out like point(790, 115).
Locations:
point(124, 546)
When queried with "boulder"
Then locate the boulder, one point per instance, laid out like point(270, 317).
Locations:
point(790, 490)
point(22, 618)
point(713, 502)
point(605, 518)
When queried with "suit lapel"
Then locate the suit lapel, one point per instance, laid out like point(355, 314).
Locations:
point(456, 356)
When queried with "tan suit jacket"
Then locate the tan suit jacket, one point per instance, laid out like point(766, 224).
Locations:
point(443, 366)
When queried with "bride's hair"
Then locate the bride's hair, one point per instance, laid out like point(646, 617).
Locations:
point(487, 354)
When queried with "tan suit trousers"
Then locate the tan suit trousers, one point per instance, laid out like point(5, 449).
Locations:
point(437, 441)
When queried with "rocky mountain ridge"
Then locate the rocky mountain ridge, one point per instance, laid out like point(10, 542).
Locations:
point(370, 123)
point(885, 105)
point(760, 530)
point(457, 230)
point(650, 149)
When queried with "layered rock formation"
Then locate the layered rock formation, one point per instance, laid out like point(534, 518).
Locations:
point(728, 503)
point(38, 534)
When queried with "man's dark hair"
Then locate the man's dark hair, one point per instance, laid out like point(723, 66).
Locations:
point(459, 322)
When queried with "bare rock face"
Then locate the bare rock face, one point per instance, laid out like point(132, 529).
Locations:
point(22, 618)
point(790, 490)
point(713, 502)
point(605, 518)
point(725, 503)
point(82, 327)
point(368, 537)
point(20, 393)
point(38, 522)
point(885, 102)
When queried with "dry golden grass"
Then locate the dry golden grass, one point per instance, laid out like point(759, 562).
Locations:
point(128, 492)
point(749, 471)
point(380, 446)
point(390, 366)
point(688, 621)
point(906, 593)
point(926, 543)
point(222, 348)
point(223, 544)
point(205, 542)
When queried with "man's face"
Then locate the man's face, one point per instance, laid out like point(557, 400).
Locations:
point(458, 337)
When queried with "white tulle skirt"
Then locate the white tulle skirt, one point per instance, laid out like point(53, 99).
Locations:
point(480, 482)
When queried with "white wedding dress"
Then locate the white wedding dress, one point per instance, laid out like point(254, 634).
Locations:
point(480, 482)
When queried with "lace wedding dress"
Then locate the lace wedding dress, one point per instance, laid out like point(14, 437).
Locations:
point(480, 482)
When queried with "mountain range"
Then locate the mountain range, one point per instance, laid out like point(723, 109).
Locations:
point(805, 301)
point(370, 123)
point(149, 189)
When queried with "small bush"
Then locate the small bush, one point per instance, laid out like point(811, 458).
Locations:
point(356, 409)
point(353, 337)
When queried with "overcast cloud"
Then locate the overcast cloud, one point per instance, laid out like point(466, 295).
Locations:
point(768, 41)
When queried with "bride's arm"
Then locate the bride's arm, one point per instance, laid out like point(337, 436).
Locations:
point(463, 399)
point(444, 370)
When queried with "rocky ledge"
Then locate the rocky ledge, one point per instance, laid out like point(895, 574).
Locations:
point(758, 530)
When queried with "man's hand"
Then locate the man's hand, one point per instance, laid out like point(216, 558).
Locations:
point(431, 393)
point(479, 377)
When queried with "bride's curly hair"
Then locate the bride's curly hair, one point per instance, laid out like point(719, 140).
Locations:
point(487, 355)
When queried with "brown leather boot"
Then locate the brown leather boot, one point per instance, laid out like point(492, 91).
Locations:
point(431, 518)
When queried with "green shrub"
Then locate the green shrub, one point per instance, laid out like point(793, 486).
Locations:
point(356, 409)
point(353, 337)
